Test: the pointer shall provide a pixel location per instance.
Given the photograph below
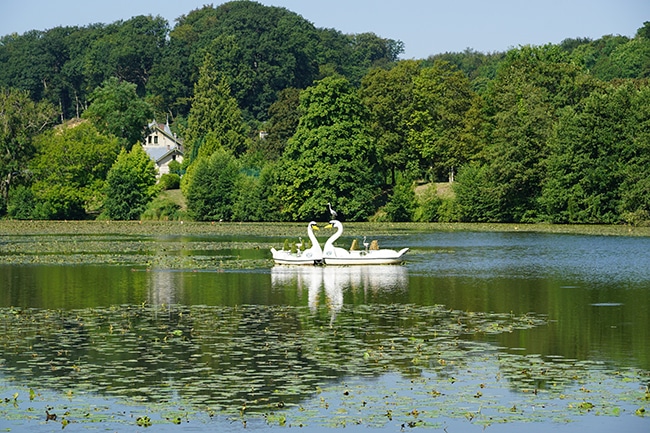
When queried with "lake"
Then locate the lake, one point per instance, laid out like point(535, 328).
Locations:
point(119, 326)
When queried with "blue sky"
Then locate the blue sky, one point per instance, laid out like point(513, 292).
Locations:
point(425, 26)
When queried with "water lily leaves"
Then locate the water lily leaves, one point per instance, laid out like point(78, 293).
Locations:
point(289, 366)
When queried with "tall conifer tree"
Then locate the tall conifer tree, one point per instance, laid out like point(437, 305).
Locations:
point(215, 121)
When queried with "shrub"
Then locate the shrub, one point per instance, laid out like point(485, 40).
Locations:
point(130, 185)
point(21, 203)
point(169, 181)
point(428, 206)
point(212, 188)
point(162, 209)
point(175, 168)
point(401, 205)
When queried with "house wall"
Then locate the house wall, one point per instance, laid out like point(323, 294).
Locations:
point(158, 139)
point(163, 163)
point(158, 145)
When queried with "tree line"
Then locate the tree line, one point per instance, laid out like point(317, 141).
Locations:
point(554, 133)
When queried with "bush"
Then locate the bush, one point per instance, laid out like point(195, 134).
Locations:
point(175, 168)
point(428, 206)
point(130, 185)
point(449, 211)
point(163, 209)
point(212, 188)
point(21, 203)
point(401, 205)
point(169, 181)
point(639, 218)
point(58, 202)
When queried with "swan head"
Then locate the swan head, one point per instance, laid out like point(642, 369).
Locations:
point(334, 224)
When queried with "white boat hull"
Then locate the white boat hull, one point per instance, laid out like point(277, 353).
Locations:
point(288, 258)
point(376, 257)
point(332, 255)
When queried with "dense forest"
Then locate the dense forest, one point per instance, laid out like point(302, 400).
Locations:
point(279, 118)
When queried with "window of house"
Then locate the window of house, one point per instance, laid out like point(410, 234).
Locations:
point(155, 139)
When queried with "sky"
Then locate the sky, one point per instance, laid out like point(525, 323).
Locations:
point(425, 27)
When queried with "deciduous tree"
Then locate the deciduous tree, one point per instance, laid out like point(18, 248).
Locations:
point(388, 94)
point(21, 120)
point(130, 185)
point(442, 97)
point(331, 157)
point(212, 189)
point(117, 109)
point(70, 171)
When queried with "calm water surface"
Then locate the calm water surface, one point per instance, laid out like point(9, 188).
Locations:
point(505, 330)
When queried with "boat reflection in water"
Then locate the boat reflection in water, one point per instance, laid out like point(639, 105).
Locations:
point(334, 280)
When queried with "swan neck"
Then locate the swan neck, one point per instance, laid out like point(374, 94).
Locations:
point(335, 236)
point(313, 239)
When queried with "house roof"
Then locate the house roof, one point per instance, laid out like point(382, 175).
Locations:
point(166, 130)
point(155, 153)
point(174, 150)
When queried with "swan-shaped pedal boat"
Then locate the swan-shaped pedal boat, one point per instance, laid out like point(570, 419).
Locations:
point(340, 256)
point(310, 256)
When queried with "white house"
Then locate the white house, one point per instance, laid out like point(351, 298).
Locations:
point(163, 146)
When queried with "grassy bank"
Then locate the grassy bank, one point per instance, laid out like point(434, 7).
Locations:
point(16, 227)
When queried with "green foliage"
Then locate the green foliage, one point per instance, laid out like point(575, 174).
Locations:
point(428, 205)
point(212, 188)
point(554, 133)
point(330, 158)
point(477, 194)
point(21, 120)
point(116, 109)
point(635, 188)
point(128, 50)
point(402, 203)
point(175, 168)
point(261, 49)
point(169, 181)
point(594, 161)
point(532, 86)
point(130, 185)
point(389, 96)
point(479, 67)
point(70, 170)
point(283, 120)
point(162, 209)
point(251, 203)
point(215, 121)
point(21, 203)
point(442, 97)
point(276, 49)
point(612, 57)
point(58, 202)
point(449, 211)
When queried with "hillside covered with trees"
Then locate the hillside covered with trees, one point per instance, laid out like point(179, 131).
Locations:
point(280, 117)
